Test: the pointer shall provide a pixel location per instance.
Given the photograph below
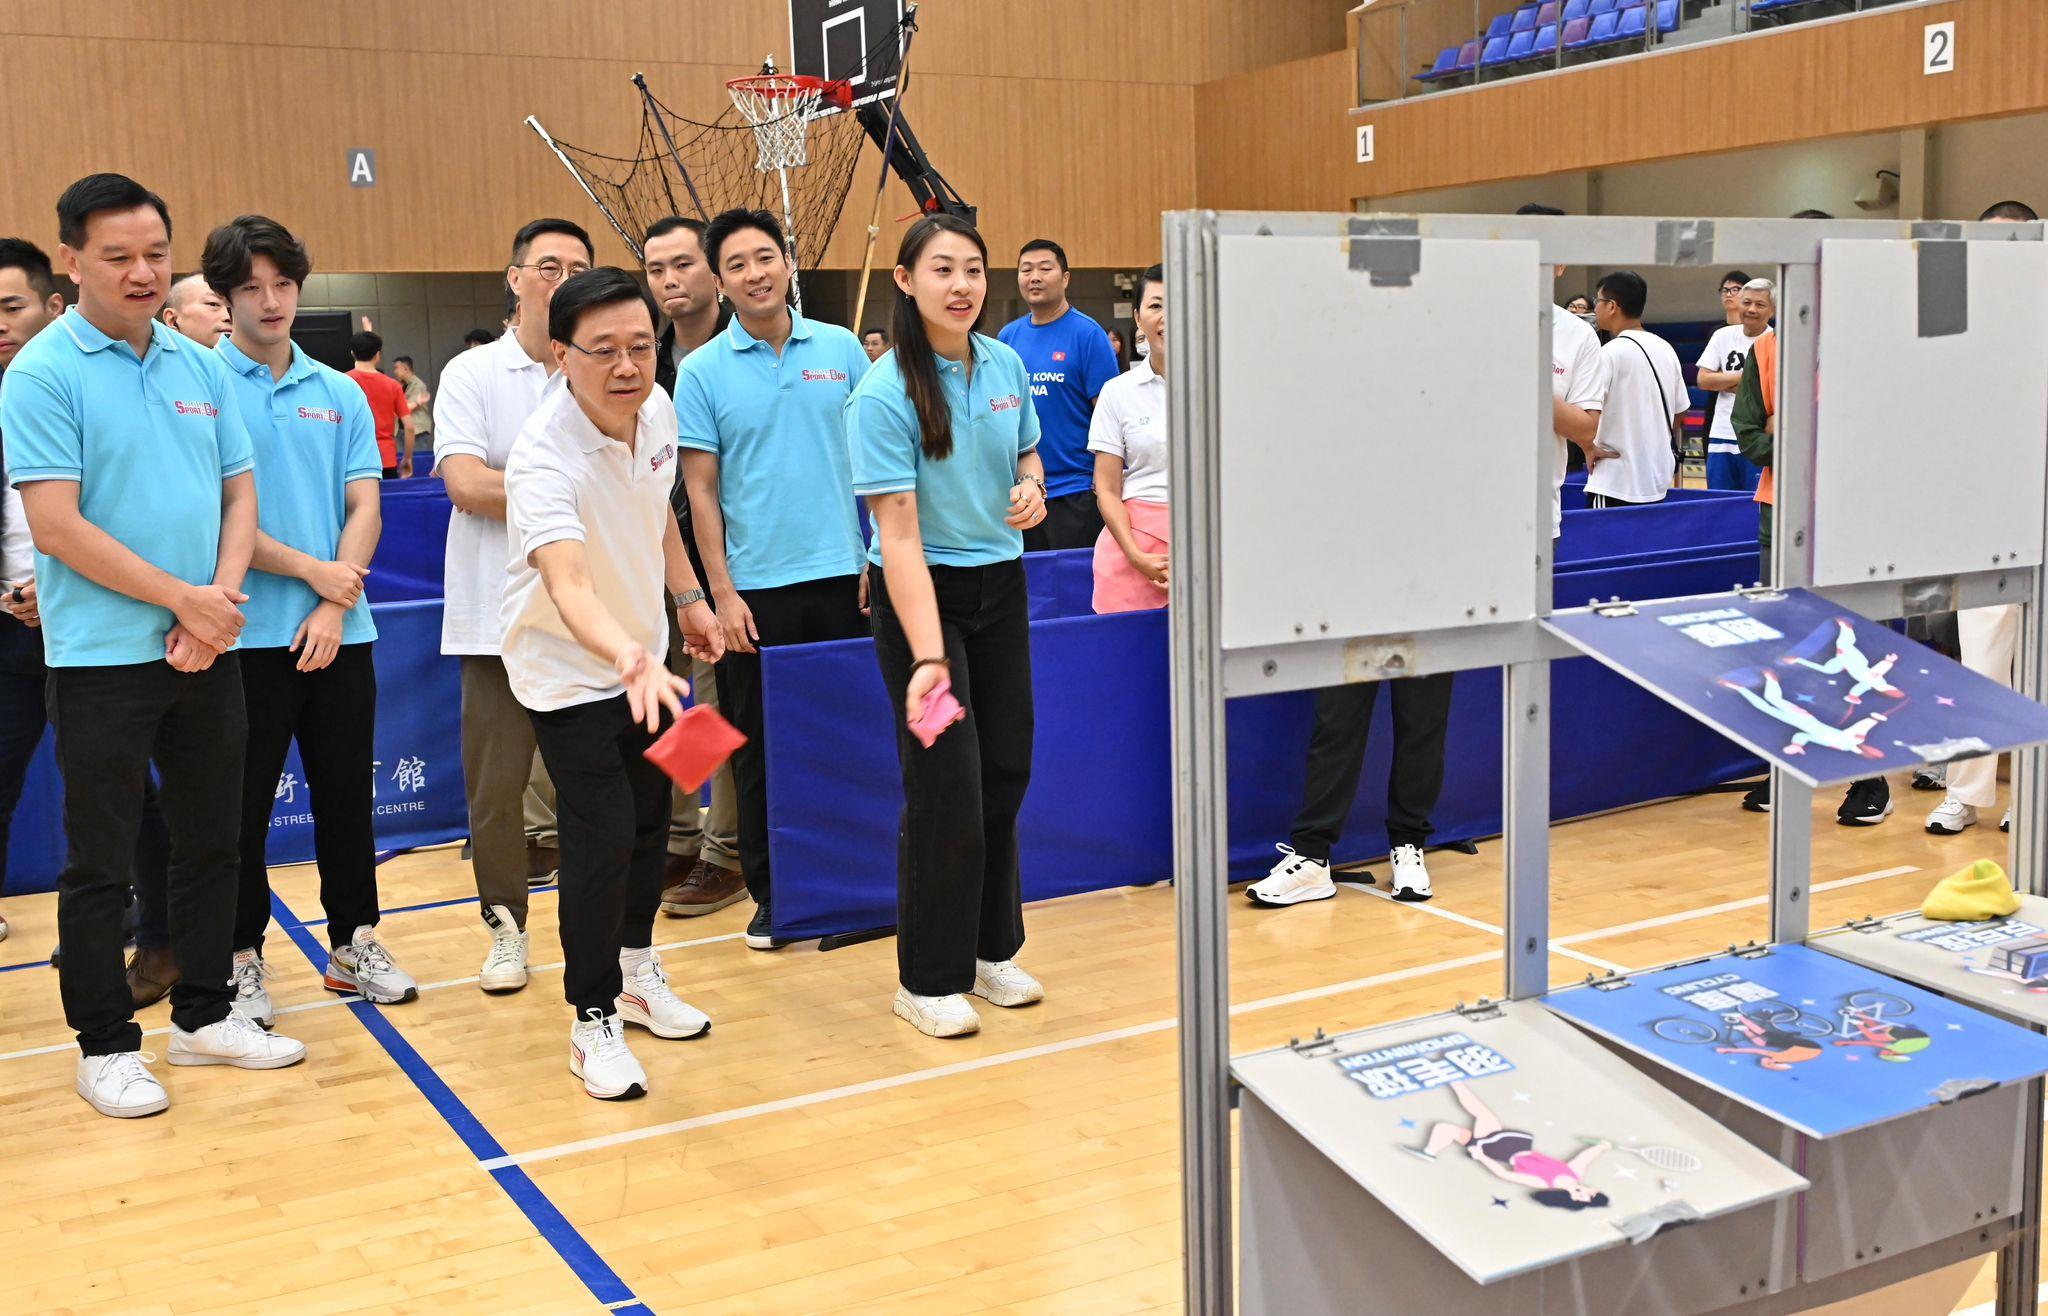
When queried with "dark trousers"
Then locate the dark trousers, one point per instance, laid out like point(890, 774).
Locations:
point(332, 713)
point(111, 721)
point(1071, 521)
point(1596, 501)
point(958, 897)
point(611, 821)
point(1336, 755)
point(803, 613)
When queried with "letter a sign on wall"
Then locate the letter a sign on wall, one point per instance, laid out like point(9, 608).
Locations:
point(362, 168)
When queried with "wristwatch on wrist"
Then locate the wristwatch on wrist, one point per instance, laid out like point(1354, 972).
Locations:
point(689, 596)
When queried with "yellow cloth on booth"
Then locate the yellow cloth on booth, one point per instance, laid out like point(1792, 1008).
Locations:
point(1979, 892)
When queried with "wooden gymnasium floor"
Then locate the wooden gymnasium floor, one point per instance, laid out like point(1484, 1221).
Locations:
point(813, 1153)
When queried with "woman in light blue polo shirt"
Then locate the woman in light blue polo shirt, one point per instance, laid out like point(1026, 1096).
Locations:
point(944, 441)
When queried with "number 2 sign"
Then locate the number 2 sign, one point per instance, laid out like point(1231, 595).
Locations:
point(1938, 49)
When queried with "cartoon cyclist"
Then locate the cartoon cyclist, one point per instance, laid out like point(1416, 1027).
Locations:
point(1898, 1042)
point(1774, 1047)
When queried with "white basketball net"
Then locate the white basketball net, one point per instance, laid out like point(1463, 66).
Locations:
point(780, 108)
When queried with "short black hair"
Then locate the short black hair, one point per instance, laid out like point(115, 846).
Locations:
point(1153, 274)
point(511, 303)
point(21, 254)
point(406, 361)
point(1813, 214)
point(365, 345)
point(568, 228)
point(1626, 289)
point(877, 330)
point(2019, 211)
point(479, 337)
point(728, 222)
point(1736, 277)
point(232, 249)
point(1059, 253)
point(668, 224)
point(1536, 208)
point(605, 285)
point(95, 193)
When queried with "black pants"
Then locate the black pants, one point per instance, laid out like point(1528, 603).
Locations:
point(804, 613)
point(1336, 755)
point(332, 713)
point(111, 721)
point(1071, 521)
point(958, 897)
point(611, 820)
point(1596, 501)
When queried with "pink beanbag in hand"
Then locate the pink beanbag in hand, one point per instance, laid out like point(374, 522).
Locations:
point(941, 710)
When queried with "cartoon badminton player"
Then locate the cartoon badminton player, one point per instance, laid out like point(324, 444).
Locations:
point(1511, 1154)
point(1849, 658)
point(1898, 1042)
point(1809, 729)
point(1774, 1047)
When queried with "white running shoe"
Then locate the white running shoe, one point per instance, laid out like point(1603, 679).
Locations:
point(1002, 983)
point(121, 1086)
point(1951, 817)
point(1294, 879)
point(2005, 823)
point(252, 998)
point(364, 967)
point(505, 967)
point(3, 927)
point(599, 1056)
point(237, 1041)
point(1411, 877)
point(937, 1016)
point(645, 1000)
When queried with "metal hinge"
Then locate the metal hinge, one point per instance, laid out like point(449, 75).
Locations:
point(1614, 607)
point(1750, 952)
point(1611, 983)
point(1480, 1011)
point(1319, 1045)
point(1760, 593)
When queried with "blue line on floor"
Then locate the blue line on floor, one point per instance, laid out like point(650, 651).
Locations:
point(431, 904)
point(547, 1219)
point(33, 964)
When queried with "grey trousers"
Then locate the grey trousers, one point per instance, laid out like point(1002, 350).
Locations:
point(712, 834)
point(497, 760)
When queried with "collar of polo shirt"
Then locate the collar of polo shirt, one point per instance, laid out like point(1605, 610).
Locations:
point(242, 363)
point(89, 338)
point(577, 422)
point(741, 340)
point(511, 355)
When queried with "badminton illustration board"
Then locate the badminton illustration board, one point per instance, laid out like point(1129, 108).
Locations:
point(2000, 964)
point(1513, 1141)
point(1819, 691)
point(1816, 1042)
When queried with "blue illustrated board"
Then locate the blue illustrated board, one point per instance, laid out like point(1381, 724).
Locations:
point(1815, 689)
point(1816, 1042)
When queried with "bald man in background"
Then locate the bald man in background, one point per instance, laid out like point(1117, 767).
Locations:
point(197, 311)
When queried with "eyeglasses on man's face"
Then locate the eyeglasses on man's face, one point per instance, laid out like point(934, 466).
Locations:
point(639, 354)
point(553, 271)
point(1730, 289)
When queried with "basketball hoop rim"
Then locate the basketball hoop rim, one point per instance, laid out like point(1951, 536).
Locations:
point(790, 86)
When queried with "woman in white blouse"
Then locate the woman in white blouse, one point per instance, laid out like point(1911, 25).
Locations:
point(1128, 438)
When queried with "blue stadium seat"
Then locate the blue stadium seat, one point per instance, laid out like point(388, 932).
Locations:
point(1667, 16)
point(1603, 7)
point(1604, 30)
point(1546, 13)
point(1468, 57)
point(1445, 66)
point(1575, 31)
point(1496, 52)
point(1577, 9)
point(1633, 22)
point(1525, 20)
point(1546, 42)
point(1520, 46)
point(1499, 26)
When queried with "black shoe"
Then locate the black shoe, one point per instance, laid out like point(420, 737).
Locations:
point(1868, 803)
point(1930, 779)
point(1759, 798)
point(761, 930)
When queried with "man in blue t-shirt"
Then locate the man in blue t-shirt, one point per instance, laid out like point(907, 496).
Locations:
point(1069, 358)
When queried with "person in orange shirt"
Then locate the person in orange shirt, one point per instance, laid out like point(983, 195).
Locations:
point(387, 402)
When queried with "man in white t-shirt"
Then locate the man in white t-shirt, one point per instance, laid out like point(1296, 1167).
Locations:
point(1578, 387)
point(1720, 372)
point(486, 398)
point(1645, 394)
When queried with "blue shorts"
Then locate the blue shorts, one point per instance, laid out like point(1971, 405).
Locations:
point(1732, 470)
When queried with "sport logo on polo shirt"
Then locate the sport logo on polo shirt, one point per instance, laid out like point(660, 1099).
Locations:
point(661, 459)
point(195, 408)
point(328, 414)
point(834, 376)
point(1009, 402)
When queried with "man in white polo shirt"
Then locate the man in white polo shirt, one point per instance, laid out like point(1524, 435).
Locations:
point(594, 547)
point(1578, 387)
point(1720, 372)
point(486, 398)
point(1645, 395)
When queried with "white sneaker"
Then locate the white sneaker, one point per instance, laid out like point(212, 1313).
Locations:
point(2005, 823)
point(252, 998)
point(599, 1056)
point(646, 1000)
point(365, 968)
point(1003, 983)
point(1950, 817)
point(237, 1041)
point(1294, 879)
point(937, 1016)
point(3, 927)
point(505, 967)
point(121, 1086)
point(1411, 877)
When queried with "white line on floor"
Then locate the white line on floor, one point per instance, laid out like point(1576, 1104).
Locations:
point(1467, 920)
point(1749, 902)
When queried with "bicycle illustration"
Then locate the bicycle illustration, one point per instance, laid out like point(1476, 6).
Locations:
point(1781, 1034)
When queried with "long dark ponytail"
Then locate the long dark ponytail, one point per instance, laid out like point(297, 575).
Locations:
point(914, 346)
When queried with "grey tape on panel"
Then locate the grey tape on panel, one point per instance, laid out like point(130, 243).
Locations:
point(1685, 241)
point(1388, 250)
point(1944, 288)
point(1936, 230)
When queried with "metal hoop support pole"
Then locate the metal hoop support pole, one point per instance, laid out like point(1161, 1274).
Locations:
point(661, 122)
point(867, 261)
point(631, 245)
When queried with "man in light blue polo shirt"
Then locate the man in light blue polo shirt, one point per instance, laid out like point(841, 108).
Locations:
point(1069, 359)
point(759, 410)
point(306, 668)
point(134, 470)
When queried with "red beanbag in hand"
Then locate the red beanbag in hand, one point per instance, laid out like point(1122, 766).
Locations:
point(694, 747)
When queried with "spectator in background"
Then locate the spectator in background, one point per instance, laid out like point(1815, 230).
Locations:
point(511, 320)
point(1118, 350)
point(387, 403)
point(1720, 372)
point(1645, 398)
point(478, 338)
point(1069, 359)
point(420, 399)
point(1580, 305)
point(1128, 438)
point(1731, 295)
point(1578, 387)
point(874, 342)
point(196, 311)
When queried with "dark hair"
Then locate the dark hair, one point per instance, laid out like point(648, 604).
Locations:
point(568, 228)
point(914, 346)
point(511, 302)
point(1536, 208)
point(604, 286)
point(668, 224)
point(95, 193)
point(1813, 214)
point(1059, 253)
point(1123, 348)
point(21, 254)
point(2012, 210)
point(479, 337)
point(365, 345)
point(1626, 289)
point(1153, 274)
point(232, 249)
point(405, 361)
point(875, 329)
point(728, 222)
point(1736, 277)
point(1559, 1197)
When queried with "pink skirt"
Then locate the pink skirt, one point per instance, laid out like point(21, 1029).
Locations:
point(1119, 586)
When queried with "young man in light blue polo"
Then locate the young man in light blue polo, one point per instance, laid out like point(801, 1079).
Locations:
point(1069, 359)
point(760, 412)
point(306, 668)
point(134, 469)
